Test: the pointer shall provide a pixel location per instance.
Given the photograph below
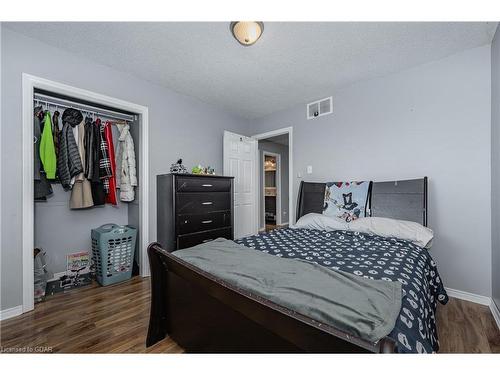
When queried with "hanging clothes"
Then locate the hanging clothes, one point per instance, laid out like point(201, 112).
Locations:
point(56, 131)
point(104, 161)
point(96, 150)
point(126, 178)
point(81, 194)
point(98, 193)
point(75, 135)
point(47, 150)
point(89, 148)
point(69, 163)
point(42, 187)
point(111, 191)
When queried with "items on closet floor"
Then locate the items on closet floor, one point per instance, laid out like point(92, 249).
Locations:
point(81, 156)
point(41, 274)
point(113, 248)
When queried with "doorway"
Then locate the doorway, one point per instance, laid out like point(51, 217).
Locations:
point(275, 172)
point(271, 190)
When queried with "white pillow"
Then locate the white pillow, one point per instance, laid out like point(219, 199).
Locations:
point(320, 222)
point(404, 230)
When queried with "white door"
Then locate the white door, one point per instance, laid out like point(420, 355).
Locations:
point(239, 162)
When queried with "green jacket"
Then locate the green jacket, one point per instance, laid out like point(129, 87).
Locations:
point(47, 149)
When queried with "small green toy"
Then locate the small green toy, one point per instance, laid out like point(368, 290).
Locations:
point(203, 170)
point(198, 169)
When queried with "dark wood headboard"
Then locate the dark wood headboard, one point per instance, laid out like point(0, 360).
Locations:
point(403, 200)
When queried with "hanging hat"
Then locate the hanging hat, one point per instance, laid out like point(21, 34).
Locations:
point(72, 116)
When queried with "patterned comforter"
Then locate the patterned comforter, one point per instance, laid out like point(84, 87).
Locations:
point(372, 257)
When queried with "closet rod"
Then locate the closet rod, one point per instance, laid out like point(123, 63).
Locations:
point(49, 100)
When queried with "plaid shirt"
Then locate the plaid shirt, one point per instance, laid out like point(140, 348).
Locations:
point(105, 171)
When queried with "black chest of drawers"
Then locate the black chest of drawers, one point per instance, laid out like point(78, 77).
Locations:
point(192, 209)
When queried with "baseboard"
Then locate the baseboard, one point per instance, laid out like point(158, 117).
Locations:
point(10, 313)
point(471, 297)
point(262, 229)
point(283, 224)
point(495, 312)
point(476, 298)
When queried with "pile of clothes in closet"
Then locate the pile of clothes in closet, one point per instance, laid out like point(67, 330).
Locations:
point(79, 153)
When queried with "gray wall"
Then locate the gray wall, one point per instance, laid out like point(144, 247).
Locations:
point(495, 167)
point(60, 231)
point(282, 150)
point(179, 127)
point(432, 120)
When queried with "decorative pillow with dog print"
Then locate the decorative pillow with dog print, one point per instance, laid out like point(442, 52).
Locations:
point(346, 200)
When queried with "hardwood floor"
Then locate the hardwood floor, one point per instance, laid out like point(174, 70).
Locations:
point(114, 319)
point(466, 327)
point(271, 227)
point(93, 319)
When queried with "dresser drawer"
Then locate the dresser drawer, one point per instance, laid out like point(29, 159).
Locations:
point(200, 203)
point(200, 222)
point(189, 240)
point(201, 184)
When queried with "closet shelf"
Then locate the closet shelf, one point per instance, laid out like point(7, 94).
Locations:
point(54, 101)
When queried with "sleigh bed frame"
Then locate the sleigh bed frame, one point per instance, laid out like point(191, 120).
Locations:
point(204, 314)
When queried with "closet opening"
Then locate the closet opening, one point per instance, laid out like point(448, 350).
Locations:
point(85, 166)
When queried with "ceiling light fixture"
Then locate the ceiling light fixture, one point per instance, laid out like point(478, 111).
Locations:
point(247, 33)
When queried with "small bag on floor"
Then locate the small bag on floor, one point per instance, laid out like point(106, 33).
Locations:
point(41, 274)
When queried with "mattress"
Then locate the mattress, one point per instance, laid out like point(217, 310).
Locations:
point(372, 257)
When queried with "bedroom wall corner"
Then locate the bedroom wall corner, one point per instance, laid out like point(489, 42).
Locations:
point(431, 120)
point(495, 168)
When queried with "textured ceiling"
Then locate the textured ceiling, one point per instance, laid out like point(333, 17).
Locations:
point(292, 63)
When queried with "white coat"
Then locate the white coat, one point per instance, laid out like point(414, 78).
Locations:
point(126, 177)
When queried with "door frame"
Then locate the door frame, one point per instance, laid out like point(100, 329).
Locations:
point(278, 186)
point(29, 83)
point(291, 201)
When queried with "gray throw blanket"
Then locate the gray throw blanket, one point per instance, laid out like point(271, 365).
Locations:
point(359, 306)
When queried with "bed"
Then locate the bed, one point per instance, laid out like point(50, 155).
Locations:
point(203, 313)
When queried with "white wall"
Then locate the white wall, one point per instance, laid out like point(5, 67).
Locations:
point(495, 167)
point(179, 127)
point(432, 120)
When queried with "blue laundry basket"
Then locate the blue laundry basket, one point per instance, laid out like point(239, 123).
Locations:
point(113, 248)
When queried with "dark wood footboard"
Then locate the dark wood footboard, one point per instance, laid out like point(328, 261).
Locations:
point(204, 314)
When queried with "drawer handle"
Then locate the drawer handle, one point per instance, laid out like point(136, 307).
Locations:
point(207, 240)
point(206, 221)
point(207, 203)
point(207, 185)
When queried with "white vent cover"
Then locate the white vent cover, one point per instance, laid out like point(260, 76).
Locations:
point(320, 108)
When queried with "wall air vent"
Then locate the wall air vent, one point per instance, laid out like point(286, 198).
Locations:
point(320, 108)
